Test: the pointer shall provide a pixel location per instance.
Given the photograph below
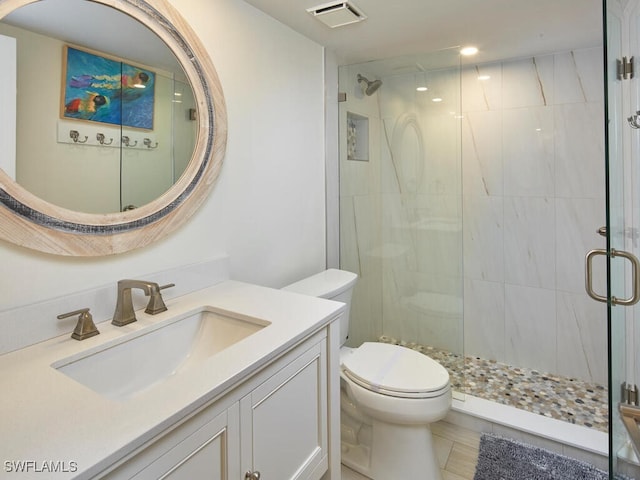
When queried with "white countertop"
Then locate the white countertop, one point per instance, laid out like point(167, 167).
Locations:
point(48, 417)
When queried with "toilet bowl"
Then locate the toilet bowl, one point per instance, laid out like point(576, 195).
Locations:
point(389, 396)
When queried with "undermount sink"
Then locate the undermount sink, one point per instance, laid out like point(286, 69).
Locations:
point(124, 368)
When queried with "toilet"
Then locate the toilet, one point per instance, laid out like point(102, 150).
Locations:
point(389, 396)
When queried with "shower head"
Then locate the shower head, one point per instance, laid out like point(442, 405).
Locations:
point(369, 86)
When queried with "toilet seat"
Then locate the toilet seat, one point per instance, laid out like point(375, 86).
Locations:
point(395, 371)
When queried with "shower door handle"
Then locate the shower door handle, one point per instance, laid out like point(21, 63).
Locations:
point(635, 272)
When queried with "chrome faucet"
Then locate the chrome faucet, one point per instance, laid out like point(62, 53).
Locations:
point(124, 313)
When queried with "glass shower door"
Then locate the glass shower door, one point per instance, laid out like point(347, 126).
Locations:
point(622, 154)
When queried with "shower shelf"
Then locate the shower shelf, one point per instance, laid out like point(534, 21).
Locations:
point(357, 137)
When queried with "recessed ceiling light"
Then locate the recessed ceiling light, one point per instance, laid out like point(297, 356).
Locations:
point(484, 77)
point(422, 89)
point(436, 99)
point(466, 51)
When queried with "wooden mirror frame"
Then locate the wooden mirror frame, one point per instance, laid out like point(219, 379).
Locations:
point(31, 222)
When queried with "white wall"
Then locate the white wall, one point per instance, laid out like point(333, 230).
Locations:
point(267, 209)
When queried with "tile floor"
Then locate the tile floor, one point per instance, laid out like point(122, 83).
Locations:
point(554, 396)
point(456, 449)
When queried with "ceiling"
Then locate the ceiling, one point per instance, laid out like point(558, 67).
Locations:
point(501, 29)
point(51, 18)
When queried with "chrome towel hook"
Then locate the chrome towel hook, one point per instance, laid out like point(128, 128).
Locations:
point(633, 120)
point(75, 136)
point(100, 137)
point(127, 141)
point(147, 143)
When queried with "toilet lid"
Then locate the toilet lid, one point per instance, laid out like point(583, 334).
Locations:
point(395, 370)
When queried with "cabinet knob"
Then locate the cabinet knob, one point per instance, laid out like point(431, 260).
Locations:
point(252, 475)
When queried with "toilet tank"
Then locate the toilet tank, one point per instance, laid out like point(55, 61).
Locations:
point(332, 284)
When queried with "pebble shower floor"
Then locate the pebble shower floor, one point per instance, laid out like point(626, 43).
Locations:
point(553, 396)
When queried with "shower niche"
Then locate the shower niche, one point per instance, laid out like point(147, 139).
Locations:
point(357, 137)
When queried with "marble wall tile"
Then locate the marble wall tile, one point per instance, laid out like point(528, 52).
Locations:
point(349, 248)
point(483, 235)
point(368, 231)
point(484, 319)
point(439, 249)
point(527, 82)
point(579, 150)
point(482, 87)
point(531, 183)
point(579, 76)
point(530, 327)
point(577, 220)
point(366, 308)
point(528, 151)
point(357, 178)
point(389, 173)
point(482, 153)
point(568, 83)
point(441, 330)
point(473, 98)
point(408, 153)
point(582, 337)
point(395, 220)
point(442, 172)
point(529, 242)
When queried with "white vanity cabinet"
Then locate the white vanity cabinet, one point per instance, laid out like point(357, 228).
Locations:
point(274, 425)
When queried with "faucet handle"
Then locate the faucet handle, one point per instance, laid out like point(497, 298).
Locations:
point(85, 328)
point(156, 303)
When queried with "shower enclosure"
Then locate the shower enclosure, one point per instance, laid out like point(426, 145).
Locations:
point(469, 196)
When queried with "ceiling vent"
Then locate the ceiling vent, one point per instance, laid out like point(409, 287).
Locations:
point(337, 14)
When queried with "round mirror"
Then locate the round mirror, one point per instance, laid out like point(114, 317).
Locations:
point(120, 125)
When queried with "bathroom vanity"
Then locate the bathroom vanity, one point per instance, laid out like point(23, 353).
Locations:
point(234, 381)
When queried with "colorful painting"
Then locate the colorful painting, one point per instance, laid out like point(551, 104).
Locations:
point(104, 89)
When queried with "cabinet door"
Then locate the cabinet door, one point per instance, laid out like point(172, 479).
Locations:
point(209, 451)
point(202, 455)
point(283, 422)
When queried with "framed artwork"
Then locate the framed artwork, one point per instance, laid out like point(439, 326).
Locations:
point(104, 89)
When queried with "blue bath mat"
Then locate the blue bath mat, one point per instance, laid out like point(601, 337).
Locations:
point(505, 459)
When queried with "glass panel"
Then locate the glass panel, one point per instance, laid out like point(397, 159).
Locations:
point(615, 224)
point(184, 127)
point(622, 188)
point(148, 161)
point(401, 202)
